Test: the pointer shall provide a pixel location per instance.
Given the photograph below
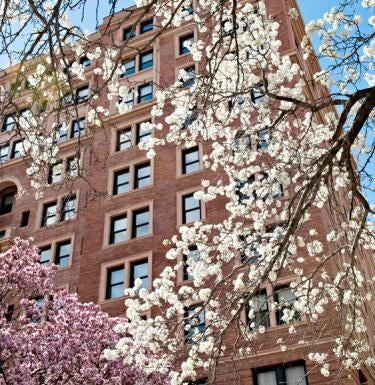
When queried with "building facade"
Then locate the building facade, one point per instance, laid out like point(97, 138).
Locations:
point(105, 228)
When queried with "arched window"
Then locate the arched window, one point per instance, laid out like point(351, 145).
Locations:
point(7, 200)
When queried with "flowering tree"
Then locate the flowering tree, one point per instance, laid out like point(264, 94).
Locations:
point(48, 336)
point(280, 153)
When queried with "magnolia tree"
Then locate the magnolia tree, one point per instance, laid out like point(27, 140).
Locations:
point(281, 157)
point(48, 336)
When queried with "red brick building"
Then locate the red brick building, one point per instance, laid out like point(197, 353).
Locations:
point(106, 228)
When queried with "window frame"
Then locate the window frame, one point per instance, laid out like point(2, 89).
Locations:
point(52, 246)
point(146, 23)
point(280, 371)
point(146, 98)
point(184, 164)
point(186, 211)
point(142, 66)
point(190, 36)
point(126, 262)
point(129, 233)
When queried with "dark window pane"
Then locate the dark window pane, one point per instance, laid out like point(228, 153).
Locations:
point(144, 93)
point(142, 134)
point(78, 128)
point(262, 139)
point(195, 324)
point(121, 181)
point(115, 282)
point(55, 173)
point(85, 61)
point(139, 269)
point(146, 26)
point(17, 149)
point(285, 298)
point(4, 153)
point(7, 200)
point(128, 33)
point(129, 67)
point(72, 167)
point(45, 255)
point(190, 160)
point(25, 218)
point(82, 94)
point(118, 229)
point(68, 208)
point(191, 209)
point(49, 214)
point(189, 77)
point(192, 256)
point(123, 139)
point(61, 134)
point(146, 60)
point(142, 176)
point(63, 250)
point(183, 41)
point(258, 314)
point(141, 219)
point(9, 123)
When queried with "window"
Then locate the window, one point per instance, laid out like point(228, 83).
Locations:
point(62, 257)
point(245, 190)
point(183, 42)
point(188, 77)
point(146, 26)
point(190, 258)
point(68, 208)
point(9, 123)
point(257, 96)
point(258, 314)
point(129, 67)
point(141, 222)
point(262, 139)
point(7, 200)
point(146, 60)
point(139, 269)
point(362, 378)
point(250, 252)
point(191, 118)
point(128, 33)
point(82, 94)
point(61, 134)
point(85, 61)
point(128, 100)
point(55, 173)
point(142, 175)
point(142, 134)
point(4, 153)
point(25, 218)
point(49, 214)
point(191, 209)
point(121, 181)
point(195, 324)
point(45, 255)
point(286, 312)
point(190, 160)
point(66, 100)
point(287, 374)
point(118, 229)
point(269, 187)
point(115, 282)
point(72, 167)
point(78, 128)
point(189, 10)
point(123, 139)
point(145, 93)
point(17, 149)
point(2, 234)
